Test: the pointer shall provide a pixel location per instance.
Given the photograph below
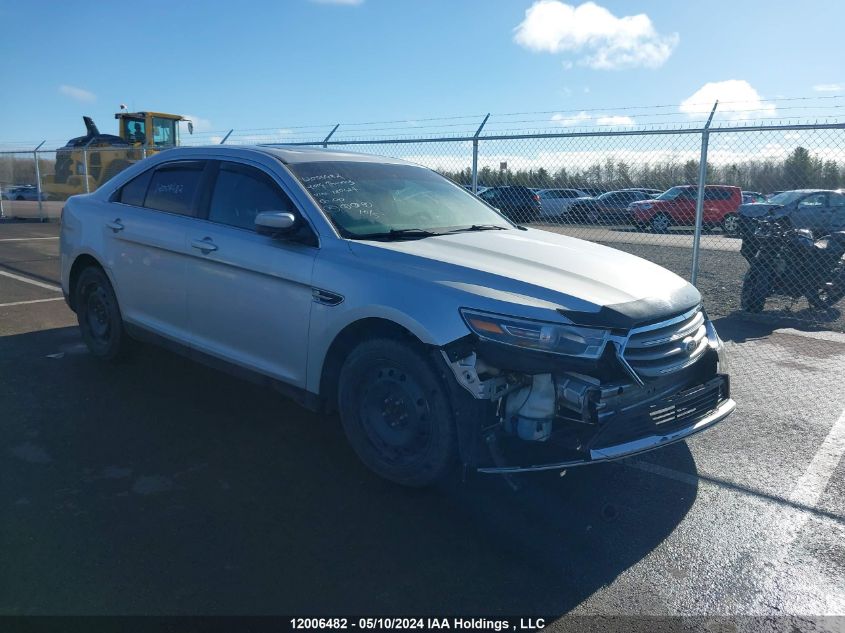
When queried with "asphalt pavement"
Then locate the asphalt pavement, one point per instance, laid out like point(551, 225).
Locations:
point(157, 486)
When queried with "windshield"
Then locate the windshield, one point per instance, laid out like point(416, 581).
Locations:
point(362, 198)
point(787, 197)
point(673, 193)
point(164, 131)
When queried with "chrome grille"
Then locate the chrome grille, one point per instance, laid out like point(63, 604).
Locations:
point(663, 348)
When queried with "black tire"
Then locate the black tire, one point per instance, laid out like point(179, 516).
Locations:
point(660, 223)
point(755, 289)
point(831, 293)
point(396, 413)
point(99, 315)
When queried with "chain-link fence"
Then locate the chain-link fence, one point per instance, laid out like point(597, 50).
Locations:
point(756, 230)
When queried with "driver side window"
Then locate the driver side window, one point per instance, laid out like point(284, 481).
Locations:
point(241, 192)
point(816, 200)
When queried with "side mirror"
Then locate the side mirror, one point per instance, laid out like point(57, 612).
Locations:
point(274, 223)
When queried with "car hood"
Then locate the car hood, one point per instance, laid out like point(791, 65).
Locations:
point(588, 283)
point(757, 209)
point(652, 203)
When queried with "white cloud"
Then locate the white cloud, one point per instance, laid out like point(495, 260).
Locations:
point(603, 40)
point(570, 120)
point(614, 120)
point(200, 124)
point(737, 100)
point(829, 87)
point(78, 94)
point(350, 3)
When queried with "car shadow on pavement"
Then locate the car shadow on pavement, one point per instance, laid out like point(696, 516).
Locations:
point(158, 486)
point(740, 327)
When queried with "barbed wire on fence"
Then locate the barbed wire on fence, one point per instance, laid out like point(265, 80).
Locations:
point(639, 188)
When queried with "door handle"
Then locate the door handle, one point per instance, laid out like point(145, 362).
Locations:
point(115, 226)
point(206, 245)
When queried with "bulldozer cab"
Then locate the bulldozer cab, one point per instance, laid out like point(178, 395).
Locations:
point(153, 130)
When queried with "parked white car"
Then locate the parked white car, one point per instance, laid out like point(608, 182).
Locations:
point(555, 203)
point(439, 330)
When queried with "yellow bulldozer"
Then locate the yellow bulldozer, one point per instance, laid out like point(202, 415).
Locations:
point(86, 162)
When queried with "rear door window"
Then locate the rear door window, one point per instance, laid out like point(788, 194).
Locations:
point(174, 187)
point(134, 191)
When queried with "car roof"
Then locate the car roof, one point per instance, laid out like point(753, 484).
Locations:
point(807, 190)
point(294, 154)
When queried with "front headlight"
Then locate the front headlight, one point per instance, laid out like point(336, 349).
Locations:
point(555, 338)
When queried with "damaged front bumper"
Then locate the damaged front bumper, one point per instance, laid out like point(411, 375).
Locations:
point(656, 425)
point(562, 415)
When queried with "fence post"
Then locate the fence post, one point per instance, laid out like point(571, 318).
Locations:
point(475, 154)
point(222, 142)
point(699, 202)
point(85, 169)
point(38, 181)
point(326, 140)
point(85, 166)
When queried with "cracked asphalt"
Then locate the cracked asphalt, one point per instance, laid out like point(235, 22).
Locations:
point(157, 486)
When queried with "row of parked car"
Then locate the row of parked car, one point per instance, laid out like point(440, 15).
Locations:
point(21, 192)
point(724, 207)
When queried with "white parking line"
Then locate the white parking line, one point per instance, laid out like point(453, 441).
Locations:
point(27, 280)
point(26, 239)
point(786, 526)
point(23, 303)
point(813, 482)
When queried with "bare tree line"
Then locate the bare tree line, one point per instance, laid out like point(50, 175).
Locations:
point(799, 170)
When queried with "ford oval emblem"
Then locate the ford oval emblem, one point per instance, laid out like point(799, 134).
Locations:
point(689, 345)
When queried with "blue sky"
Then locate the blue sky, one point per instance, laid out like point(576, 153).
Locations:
point(279, 65)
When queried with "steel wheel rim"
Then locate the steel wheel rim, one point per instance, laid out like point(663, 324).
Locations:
point(97, 313)
point(731, 224)
point(395, 414)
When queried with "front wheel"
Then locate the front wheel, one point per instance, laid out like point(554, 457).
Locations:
point(730, 224)
point(396, 414)
point(660, 223)
point(755, 289)
point(99, 315)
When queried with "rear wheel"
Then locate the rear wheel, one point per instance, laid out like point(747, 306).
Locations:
point(660, 223)
point(755, 289)
point(99, 315)
point(396, 414)
point(730, 224)
point(830, 293)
